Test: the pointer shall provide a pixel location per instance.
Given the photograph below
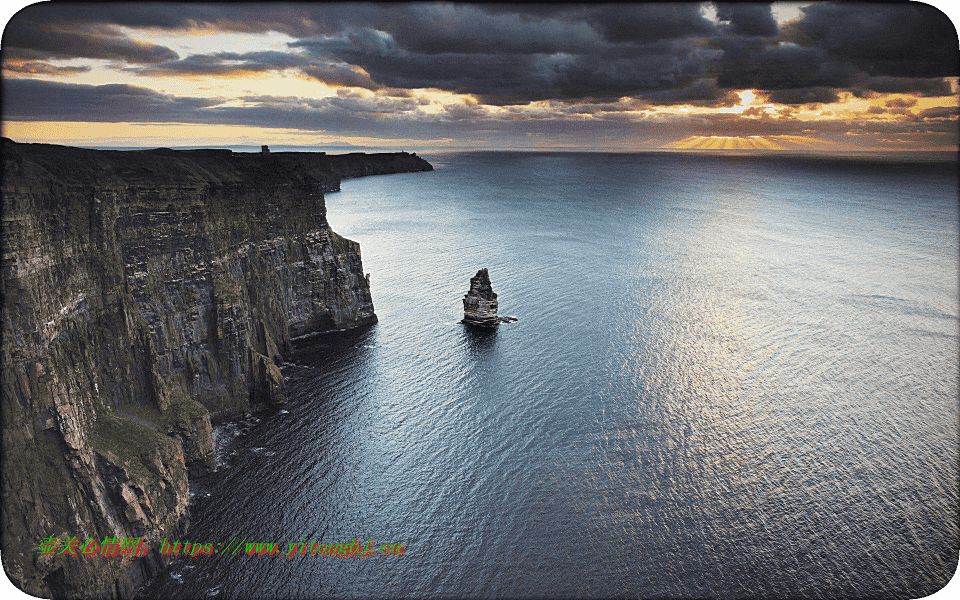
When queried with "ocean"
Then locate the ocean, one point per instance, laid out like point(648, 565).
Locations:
point(730, 376)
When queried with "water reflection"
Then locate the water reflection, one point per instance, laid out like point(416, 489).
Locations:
point(480, 341)
point(731, 401)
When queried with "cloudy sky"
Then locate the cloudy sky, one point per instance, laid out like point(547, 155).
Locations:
point(792, 76)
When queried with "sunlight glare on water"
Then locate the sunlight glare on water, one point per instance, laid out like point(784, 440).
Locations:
point(730, 377)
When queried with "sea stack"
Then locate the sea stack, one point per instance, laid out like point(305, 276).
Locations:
point(480, 303)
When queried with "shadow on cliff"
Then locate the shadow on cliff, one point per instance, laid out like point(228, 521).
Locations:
point(351, 345)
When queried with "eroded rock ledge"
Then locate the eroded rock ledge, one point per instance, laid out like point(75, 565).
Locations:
point(147, 294)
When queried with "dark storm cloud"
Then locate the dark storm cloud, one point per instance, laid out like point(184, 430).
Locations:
point(808, 95)
point(703, 92)
point(33, 100)
point(747, 18)
point(220, 64)
point(933, 87)
point(644, 23)
point(99, 43)
point(37, 34)
point(780, 67)
point(498, 78)
point(515, 55)
point(339, 74)
point(501, 79)
point(896, 39)
point(464, 29)
point(508, 54)
point(296, 19)
point(232, 64)
point(89, 30)
point(940, 112)
point(140, 14)
point(864, 48)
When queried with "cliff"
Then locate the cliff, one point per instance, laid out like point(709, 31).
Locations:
point(146, 295)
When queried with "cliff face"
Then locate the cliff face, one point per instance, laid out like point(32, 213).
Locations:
point(146, 293)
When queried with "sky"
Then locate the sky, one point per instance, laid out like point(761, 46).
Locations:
point(798, 77)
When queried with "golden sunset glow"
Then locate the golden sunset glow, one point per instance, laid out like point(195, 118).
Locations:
point(754, 142)
point(299, 74)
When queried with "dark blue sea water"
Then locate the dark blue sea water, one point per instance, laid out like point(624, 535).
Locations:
point(731, 376)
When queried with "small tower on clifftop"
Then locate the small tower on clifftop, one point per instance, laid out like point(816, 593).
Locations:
point(264, 150)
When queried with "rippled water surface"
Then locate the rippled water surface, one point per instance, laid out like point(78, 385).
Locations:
point(730, 377)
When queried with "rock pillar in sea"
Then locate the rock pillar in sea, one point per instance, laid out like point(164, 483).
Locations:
point(480, 303)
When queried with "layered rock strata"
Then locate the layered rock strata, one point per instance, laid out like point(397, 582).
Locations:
point(148, 294)
point(480, 303)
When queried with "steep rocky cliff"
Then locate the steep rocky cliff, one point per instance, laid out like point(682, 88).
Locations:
point(147, 294)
